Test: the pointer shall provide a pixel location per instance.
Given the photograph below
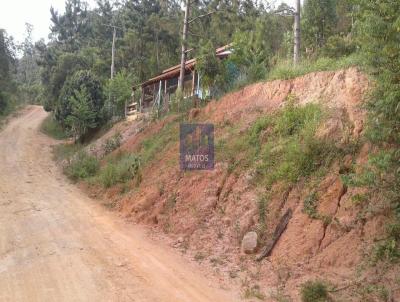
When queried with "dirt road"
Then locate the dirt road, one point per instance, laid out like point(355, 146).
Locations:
point(56, 244)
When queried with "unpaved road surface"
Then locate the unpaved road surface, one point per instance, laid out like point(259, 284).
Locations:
point(57, 244)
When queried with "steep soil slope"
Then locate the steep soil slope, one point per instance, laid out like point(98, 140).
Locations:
point(206, 213)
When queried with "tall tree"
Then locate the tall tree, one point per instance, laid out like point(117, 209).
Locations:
point(318, 22)
point(297, 38)
point(70, 29)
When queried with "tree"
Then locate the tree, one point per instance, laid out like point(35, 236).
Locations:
point(210, 67)
point(297, 38)
point(28, 71)
point(378, 30)
point(253, 51)
point(72, 28)
point(78, 82)
point(82, 117)
point(7, 58)
point(7, 69)
point(119, 90)
point(318, 22)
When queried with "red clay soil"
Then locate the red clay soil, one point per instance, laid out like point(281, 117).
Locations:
point(205, 214)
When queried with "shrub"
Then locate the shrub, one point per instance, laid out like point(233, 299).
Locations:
point(119, 89)
point(314, 291)
point(254, 292)
point(3, 102)
point(337, 46)
point(310, 205)
point(388, 250)
point(112, 143)
point(262, 208)
point(52, 128)
point(82, 93)
point(210, 67)
point(123, 169)
point(81, 166)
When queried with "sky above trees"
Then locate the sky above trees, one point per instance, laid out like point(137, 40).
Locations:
point(16, 13)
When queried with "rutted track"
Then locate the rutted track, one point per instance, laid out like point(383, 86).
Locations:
point(57, 244)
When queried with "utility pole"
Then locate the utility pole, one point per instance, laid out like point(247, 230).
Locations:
point(183, 51)
point(113, 52)
point(114, 37)
point(296, 50)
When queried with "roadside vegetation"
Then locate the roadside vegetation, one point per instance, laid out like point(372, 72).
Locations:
point(70, 76)
point(281, 146)
point(52, 128)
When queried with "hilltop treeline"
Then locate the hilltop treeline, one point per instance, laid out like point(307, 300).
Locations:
point(148, 40)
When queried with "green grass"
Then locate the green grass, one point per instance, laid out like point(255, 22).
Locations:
point(82, 166)
point(155, 144)
point(118, 168)
point(121, 169)
point(281, 146)
point(66, 151)
point(310, 205)
point(285, 70)
point(112, 143)
point(52, 128)
point(254, 292)
point(314, 291)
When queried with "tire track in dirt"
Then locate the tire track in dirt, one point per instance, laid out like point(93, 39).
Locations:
point(57, 244)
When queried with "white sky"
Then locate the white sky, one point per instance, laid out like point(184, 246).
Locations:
point(15, 13)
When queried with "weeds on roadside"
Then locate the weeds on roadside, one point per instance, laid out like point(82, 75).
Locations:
point(286, 70)
point(120, 170)
point(112, 143)
point(282, 146)
point(254, 292)
point(314, 291)
point(81, 166)
point(310, 205)
point(52, 128)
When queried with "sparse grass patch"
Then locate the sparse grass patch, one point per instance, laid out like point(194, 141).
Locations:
point(373, 292)
point(314, 291)
point(281, 146)
point(120, 170)
point(254, 292)
point(199, 256)
point(153, 145)
point(112, 143)
point(286, 70)
point(66, 151)
point(81, 166)
point(262, 208)
point(52, 128)
point(310, 205)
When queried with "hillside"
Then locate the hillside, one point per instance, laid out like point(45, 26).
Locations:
point(285, 144)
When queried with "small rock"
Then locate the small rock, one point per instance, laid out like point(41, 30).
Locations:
point(249, 242)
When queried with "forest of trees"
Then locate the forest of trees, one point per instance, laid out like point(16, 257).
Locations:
point(71, 72)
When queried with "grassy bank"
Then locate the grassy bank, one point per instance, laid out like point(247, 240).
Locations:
point(52, 128)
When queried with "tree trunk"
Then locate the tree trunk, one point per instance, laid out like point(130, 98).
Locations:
point(113, 53)
point(297, 38)
point(184, 38)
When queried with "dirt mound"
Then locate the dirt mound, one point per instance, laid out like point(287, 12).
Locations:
point(207, 213)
